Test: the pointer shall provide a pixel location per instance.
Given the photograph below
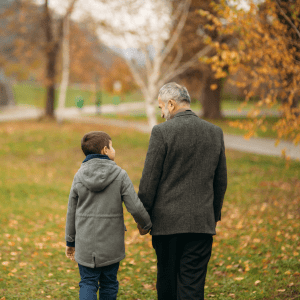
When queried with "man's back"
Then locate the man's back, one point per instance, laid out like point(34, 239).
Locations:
point(184, 178)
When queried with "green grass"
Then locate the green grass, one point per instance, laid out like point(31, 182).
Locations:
point(256, 252)
point(35, 96)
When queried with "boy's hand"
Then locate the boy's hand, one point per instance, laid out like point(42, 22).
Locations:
point(70, 252)
point(141, 230)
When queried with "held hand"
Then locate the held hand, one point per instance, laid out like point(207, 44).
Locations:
point(141, 230)
point(70, 253)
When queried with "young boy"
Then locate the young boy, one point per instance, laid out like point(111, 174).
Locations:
point(95, 220)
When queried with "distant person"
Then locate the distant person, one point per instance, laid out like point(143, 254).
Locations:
point(182, 187)
point(95, 222)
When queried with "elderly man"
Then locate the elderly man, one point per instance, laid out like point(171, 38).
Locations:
point(182, 187)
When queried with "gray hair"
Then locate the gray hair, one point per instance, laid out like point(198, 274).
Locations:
point(175, 91)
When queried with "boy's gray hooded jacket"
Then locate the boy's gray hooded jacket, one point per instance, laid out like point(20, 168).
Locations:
point(95, 219)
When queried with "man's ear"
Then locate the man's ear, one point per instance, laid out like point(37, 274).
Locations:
point(171, 104)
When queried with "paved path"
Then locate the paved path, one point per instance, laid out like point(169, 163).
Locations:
point(254, 145)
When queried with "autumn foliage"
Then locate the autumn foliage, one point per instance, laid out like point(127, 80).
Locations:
point(119, 71)
point(265, 53)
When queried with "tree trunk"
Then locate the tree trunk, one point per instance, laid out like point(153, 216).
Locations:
point(51, 62)
point(65, 70)
point(51, 72)
point(211, 99)
point(150, 110)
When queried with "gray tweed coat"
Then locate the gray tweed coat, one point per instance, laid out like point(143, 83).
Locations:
point(185, 177)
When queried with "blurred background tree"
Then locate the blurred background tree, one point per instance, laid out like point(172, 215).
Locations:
point(266, 57)
point(119, 72)
point(199, 77)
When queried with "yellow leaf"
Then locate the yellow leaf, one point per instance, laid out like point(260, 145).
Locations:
point(257, 282)
point(238, 278)
point(287, 272)
point(147, 286)
point(295, 253)
point(281, 290)
point(213, 86)
point(72, 287)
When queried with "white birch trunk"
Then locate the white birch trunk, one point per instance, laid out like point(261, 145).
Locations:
point(150, 110)
point(65, 70)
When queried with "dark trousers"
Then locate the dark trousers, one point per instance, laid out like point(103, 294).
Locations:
point(181, 265)
point(104, 278)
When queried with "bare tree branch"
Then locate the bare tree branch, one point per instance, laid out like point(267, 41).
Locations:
point(149, 65)
point(167, 76)
point(287, 18)
point(136, 74)
point(175, 63)
point(178, 30)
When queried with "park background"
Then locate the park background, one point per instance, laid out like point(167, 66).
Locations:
point(68, 71)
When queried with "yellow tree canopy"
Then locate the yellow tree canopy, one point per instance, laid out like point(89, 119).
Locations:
point(267, 51)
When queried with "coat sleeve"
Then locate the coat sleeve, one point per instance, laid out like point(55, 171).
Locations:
point(152, 169)
point(70, 222)
point(220, 182)
point(133, 203)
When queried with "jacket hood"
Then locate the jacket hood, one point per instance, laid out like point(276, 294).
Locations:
point(96, 174)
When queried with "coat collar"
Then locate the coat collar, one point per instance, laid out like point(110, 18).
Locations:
point(91, 156)
point(185, 113)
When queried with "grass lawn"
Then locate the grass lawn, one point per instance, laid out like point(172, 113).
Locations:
point(256, 252)
point(36, 96)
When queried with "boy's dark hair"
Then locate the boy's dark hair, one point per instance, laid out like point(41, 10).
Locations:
point(93, 142)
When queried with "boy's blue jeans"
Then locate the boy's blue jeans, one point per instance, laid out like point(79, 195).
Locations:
point(104, 278)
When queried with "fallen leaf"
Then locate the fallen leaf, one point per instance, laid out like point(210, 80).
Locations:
point(287, 272)
point(22, 264)
point(257, 282)
point(238, 278)
point(147, 286)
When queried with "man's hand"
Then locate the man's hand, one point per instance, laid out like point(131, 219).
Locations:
point(70, 252)
point(141, 230)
